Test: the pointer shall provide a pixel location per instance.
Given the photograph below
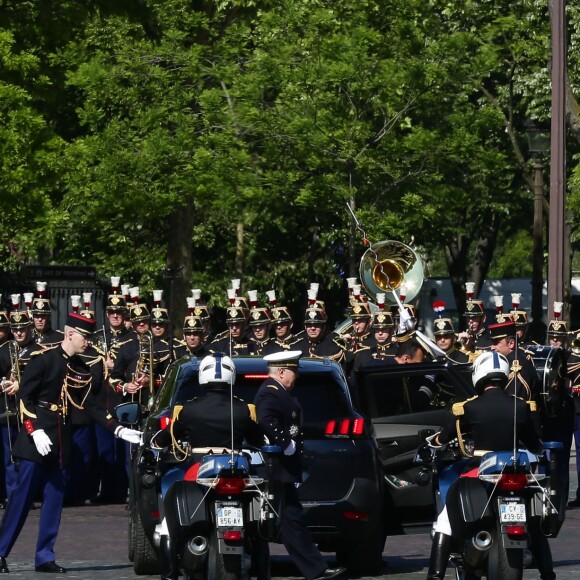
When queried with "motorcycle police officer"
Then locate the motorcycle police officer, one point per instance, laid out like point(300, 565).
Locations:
point(490, 419)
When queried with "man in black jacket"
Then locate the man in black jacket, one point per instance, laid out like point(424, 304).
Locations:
point(54, 381)
point(280, 415)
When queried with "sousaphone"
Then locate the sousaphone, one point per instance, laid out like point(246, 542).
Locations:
point(389, 264)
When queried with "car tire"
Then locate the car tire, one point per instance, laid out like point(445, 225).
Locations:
point(145, 559)
point(131, 538)
point(362, 554)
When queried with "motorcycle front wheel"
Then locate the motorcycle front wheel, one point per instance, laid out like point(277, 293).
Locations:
point(504, 563)
point(220, 566)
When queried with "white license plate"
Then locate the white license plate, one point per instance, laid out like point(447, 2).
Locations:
point(512, 512)
point(230, 516)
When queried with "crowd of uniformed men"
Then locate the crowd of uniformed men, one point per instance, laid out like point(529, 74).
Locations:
point(129, 357)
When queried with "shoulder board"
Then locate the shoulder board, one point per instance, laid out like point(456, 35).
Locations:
point(533, 406)
point(362, 348)
point(176, 410)
point(458, 409)
point(273, 387)
point(252, 409)
point(43, 350)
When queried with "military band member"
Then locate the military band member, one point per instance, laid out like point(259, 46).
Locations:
point(259, 324)
point(19, 351)
point(194, 339)
point(234, 341)
point(446, 340)
point(316, 343)
point(476, 337)
point(162, 349)
point(44, 334)
point(55, 380)
point(523, 378)
point(359, 334)
point(5, 334)
point(557, 333)
point(282, 324)
point(5, 337)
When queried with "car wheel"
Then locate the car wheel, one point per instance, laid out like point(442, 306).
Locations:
point(145, 560)
point(362, 554)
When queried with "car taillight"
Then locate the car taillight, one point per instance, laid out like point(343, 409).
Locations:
point(512, 481)
point(230, 485)
point(347, 427)
point(359, 516)
point(256, 377)
point(164, 422)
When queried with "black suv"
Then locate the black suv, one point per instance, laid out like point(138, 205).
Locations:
point(401, 423)
point(343, 487)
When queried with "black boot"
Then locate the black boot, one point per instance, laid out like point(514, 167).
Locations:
point(440, 551)
point(167, 564)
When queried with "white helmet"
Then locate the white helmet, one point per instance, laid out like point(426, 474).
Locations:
point(217, 368)
point(491, 366)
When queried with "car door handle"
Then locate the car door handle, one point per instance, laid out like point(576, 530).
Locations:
point(389, 443)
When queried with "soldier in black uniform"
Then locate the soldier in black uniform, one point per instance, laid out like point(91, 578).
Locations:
point(206, 422)
point(234, 341)
point(282, 323)
point(476, 337)
point(162, 347)
point(5, 337)
point(280, 415)
point(489, 418)
point(523, 378)
point(194, 339)
point(316, 343)
point(15, 356)
point(44, 334)
point(359, 335)
point(112, 482)
point(259, 329)
point(54, 380)
point(445, 339)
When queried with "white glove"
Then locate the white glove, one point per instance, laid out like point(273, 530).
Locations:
point(405, 321)
point(291, 449)
point(42, 441)
point(130, 435)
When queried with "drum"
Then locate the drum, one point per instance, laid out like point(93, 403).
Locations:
point(548, 362)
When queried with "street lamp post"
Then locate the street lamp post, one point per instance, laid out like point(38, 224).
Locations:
point(538, 145)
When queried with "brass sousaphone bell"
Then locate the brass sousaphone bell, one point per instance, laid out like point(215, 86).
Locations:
point(389, 264)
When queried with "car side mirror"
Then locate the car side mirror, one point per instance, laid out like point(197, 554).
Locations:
point(128, 413)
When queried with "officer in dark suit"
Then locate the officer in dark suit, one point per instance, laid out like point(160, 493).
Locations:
point(280, 415)
point(54, 380)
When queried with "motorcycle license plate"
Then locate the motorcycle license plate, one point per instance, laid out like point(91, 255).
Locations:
point(512, 512)
point(228, 516)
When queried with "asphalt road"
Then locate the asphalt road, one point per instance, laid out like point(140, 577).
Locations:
point(92, 544)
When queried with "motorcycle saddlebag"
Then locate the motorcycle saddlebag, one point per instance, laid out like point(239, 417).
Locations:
point(184, 504)
point(467, 507)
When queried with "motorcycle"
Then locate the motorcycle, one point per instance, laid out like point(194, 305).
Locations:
point(217, 507)
point(495, 503)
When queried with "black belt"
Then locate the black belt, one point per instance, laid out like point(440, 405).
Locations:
point(49, 406)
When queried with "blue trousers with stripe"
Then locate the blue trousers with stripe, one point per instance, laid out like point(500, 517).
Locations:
point(33, 478)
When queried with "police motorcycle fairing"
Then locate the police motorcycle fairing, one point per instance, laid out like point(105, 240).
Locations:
point(216, 507)
point(493, 503)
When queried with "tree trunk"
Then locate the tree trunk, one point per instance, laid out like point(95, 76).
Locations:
point(239, 261)
point(178, 271)
point(456, 258)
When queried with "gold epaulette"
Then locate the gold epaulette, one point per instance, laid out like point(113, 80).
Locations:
point(273, 387)
point(458, 409)
point(362, 348)
point(121, 343)
point(253, 414)
point(44, 349)
point(533, 406)
point(176, 410)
